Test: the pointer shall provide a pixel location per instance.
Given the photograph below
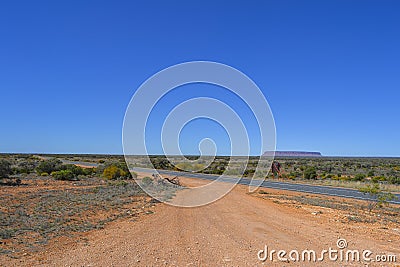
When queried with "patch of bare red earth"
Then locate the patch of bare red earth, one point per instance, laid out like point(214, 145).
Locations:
point(228, 232)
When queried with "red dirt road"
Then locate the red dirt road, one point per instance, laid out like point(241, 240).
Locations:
point(228, 232)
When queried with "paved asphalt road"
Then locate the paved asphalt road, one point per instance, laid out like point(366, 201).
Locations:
point(314, 189)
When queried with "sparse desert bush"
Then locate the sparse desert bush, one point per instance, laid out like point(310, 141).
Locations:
point(345, 178)
point(66, 175)
point(310, 173)
point(76, 170)
point(5, 169)
point(379, 196)
point(46, 214)
point(377, 179)
point(113, 172)
point(89, 171)
point(394, 180)
point(49, 166)
point(359, 177)
point(27, 166)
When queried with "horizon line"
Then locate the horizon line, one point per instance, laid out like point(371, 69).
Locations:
point(194, 155)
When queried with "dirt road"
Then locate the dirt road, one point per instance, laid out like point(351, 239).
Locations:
point(228, 232)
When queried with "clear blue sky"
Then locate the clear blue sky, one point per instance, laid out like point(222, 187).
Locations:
point(329, 69)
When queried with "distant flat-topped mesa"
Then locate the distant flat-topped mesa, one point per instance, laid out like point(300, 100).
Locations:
point(292, 154)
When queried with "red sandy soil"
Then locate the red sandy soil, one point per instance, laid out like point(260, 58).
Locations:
point(228, 232)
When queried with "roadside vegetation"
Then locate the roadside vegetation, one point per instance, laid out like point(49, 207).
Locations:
point(45, 208)
point(341, 172)
point(350, 211)
point(44, 197)
point(380, 197)
point(48, 196)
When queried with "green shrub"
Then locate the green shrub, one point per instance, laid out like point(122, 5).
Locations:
point(89, 171)
point(77, 170)
point(67, 175)
point(380, 197)
point(345, 178)
point(49, 166)
point(25, 167)
point(5, 169)
point(310, 173)
point(377, 179)
point(359, 177)
point(44, 174)
point(113, 172)
point(394, 180)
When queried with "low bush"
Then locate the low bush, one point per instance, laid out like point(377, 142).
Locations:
point(379, 197)
point(359, 177)
point(78, 170)
point(394, 180)
point(49, 166)
point(5, 169)
point(25, 167)
point(377, 179)
point(114, 172)
point(310, 173)
point(66, 175)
